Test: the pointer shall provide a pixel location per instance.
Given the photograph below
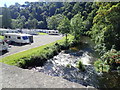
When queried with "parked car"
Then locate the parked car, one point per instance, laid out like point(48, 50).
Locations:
point(3, 45)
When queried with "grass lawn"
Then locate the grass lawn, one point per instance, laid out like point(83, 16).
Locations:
point(1, 37)
point(42, 33)
point(21, 58)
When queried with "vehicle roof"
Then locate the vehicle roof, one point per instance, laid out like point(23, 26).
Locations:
point(17, 34)
point(7, 29)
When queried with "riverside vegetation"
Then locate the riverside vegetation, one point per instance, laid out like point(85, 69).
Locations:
point(37, 56)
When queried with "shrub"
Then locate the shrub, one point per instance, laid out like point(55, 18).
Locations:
point(110, 61)
point(101, 66)
point(80, 66)
point(68, 65)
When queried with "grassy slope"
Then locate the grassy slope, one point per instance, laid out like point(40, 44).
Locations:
point(1, 37)
point(42, 33)
point(15, 59)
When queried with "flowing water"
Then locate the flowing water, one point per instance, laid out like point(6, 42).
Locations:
point(64, 65)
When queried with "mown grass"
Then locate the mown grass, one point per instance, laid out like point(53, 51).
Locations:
point(42, 33)
point(1, 37)
point(36, 56)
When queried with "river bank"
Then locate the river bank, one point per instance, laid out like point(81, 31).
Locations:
point(64, 65)
point(14, 77)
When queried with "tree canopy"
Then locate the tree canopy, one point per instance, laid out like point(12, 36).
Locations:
point(100, 20)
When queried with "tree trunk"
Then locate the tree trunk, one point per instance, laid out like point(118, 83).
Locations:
point(66, 40)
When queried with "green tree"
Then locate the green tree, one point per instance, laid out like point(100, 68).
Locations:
point(64, 27)
point(106, 24)
point(54, 21)
point(15, 23)
point(77, 26)
point(6, 18)
point(40, 24)
point(21, 22)
point(32, 24)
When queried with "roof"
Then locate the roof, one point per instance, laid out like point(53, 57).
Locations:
point(17, 34)
point(7, 29)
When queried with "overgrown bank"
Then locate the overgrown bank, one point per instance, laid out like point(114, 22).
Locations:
point(37, 56)
point(109, 61)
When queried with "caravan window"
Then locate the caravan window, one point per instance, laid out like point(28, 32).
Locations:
point(18, 38)
point(9, 36)
point(3, 43)
point(25, 37)
point(5, 36)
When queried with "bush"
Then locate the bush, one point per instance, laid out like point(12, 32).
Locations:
point(80, 66)
point(68, 65)
point(110, 61)
point(101, 66)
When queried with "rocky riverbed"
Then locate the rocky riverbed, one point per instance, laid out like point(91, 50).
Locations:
point(14, 77)
point(64, 65)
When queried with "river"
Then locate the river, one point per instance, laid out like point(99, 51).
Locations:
point(64, 65)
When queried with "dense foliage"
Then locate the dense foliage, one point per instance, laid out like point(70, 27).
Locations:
point(77, 25)
point(6, 18)
point(54, 21)
point(106, 24)
point(109, 61)
point(64, 27)
point(41, 14)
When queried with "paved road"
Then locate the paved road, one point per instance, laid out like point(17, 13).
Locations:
point(14, 77)
point(39, 40)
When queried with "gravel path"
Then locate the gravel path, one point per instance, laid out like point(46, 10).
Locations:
point(39, 40)
point(14, 77)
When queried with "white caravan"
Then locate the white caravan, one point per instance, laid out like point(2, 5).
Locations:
point(52, 32)
point(31, 31)
point(19, 38)
point(3, 45)
point(3, 31)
